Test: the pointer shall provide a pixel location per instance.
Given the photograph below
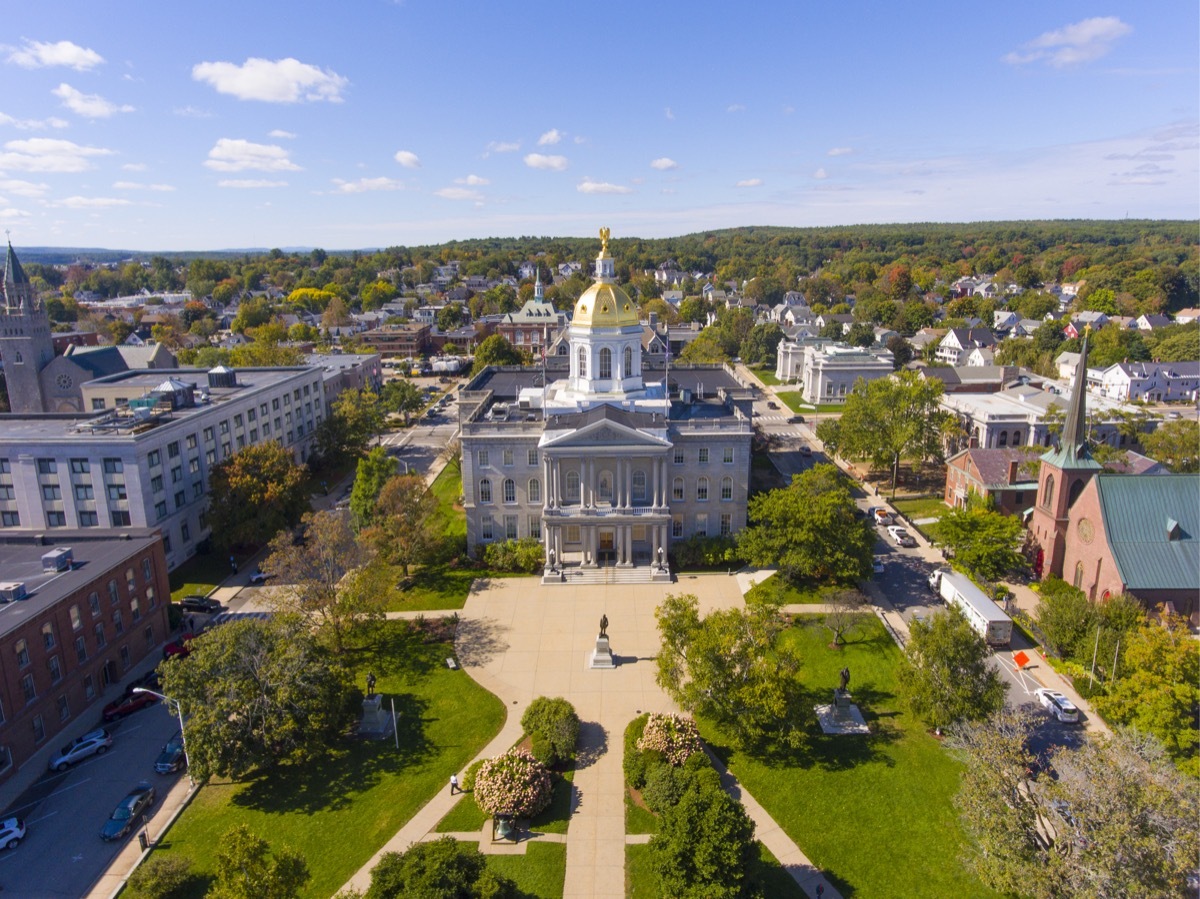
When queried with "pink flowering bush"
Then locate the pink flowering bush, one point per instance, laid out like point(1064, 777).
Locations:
point(513, 784)
point(675, 736)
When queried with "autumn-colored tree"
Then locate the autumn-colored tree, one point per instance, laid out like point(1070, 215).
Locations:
point(402, 530)
point(254, 494)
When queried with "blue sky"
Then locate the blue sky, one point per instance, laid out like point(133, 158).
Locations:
point(170, 126)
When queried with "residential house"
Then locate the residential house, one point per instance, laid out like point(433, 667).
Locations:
point(1154, 382)
point(1187, 316)
point(1151, 321)
point(958, 343)
point(981, 356)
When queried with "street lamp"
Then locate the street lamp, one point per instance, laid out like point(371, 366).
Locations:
point(182, 735)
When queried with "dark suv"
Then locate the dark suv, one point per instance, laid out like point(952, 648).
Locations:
point(197, 603)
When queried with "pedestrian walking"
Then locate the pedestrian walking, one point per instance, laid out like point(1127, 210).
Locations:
point(820, 890)
point(453, 784)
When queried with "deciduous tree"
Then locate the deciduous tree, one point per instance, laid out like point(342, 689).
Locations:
point(248, 869)
point(1176, 444)
point(401, 529)
point(374, 470)
point(984, 541)
point(439, 869)
point(495, 350)
point(400, 395)
point(254, 494)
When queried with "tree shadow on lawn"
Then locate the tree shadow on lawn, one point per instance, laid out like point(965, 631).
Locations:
point(335, 781)
point(400, 650)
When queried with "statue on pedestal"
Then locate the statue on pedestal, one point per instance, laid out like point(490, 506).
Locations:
point(603, 625)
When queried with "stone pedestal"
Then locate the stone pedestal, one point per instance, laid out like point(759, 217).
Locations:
point(841, 716)
point(602, 656)
point(376, 721)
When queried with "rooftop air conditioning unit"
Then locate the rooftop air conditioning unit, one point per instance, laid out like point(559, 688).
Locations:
point(59, 559)
point(11, 591)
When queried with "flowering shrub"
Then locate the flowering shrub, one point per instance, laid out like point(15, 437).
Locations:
point(513, 784)
point(675, 736)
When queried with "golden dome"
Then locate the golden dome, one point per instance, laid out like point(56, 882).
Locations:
point(605, 305)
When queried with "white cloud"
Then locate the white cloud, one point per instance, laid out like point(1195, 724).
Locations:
point(735, 107)
point(24, 188)
point(192, 112)
point(92, 202)
point(458, 193)
point(366, 185)
point(750, 182)
point(588, 186)
point(250, 183)
point(839, 151)
point(408, 159)
point(137, 185)
point(272, 81)
point(90, 106)
point(579, 139)
point(670, 115)
point(44, 154)
point(38, 55)
point(820, 174)
point(550, 138)
point(472, 181)
point(134, 167)
point(538, 161)
point(280, 134)
point(229, 155)
point(664, 163)
point(33, 124)
point(12, 212)
point(1080, 42)
point(500, 146)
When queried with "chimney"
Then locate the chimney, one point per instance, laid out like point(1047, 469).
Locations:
point(1013, 466)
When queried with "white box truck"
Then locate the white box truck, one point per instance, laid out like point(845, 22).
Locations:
point(987, 618)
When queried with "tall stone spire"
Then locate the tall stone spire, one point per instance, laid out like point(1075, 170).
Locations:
point(16, 283)
point(1072, 449)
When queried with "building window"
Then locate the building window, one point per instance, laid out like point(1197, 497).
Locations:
point(28, 688)
point(10, 519)
point(148, 633)
point(485, 528)
point(94, 602)
point(160, 510)
point(726, 489)
point(135, 611)
point(639, 485)
point(89, 688)
point(533, 459)
point(535, 527)
point(56, 520)
point(120, 519)
point(678, 456)
point(39, 728)
point(572, 487)
point(51, 491)
point(197, 490)
point(76, 619)
point(727, 455)
point(48, 635)
point(180, 500)
point(582, 362)
point(510, 490)
point(676, 525)
point(173, 449)
point(510, 527)
point(535, 490)
point(703, 455)
point(116, 492)
point(80, 466)
point(702, 524)
point(508, 457)
point(1078, 582)
point(1048, 491)
point(125, 662)
point(22, 650)
point(176, 474)
point(483, 458)
point(55, 669)
point(98, 630)
point(118, 624)
point(147, 570)
point(113, 466)
point(485, 491)
point(47, 466)
point(605, 363)
point(208, 435)
point(627, 369)
point(114, 595)
point(224, 427)
point(726, 524)
point(677, 489)
point(574, 535)
point(97, 403)
point(84, 491)
point(702, 489)
point(155, 458)
point(191, 441)
point(156, 483)
point(7, 492)
point(81, 649)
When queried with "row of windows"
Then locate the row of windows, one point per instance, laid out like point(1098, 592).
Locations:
point(508, 530)
point(87, 518)
point(508, 457)
point(508, 489)
point(604, 367)
point(78, 466)
point(680, 457)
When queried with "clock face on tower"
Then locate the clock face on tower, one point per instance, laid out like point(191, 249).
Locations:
point(64, 381)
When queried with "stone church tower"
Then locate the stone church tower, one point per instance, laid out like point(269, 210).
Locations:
point(25, 344)
point(1062, 476)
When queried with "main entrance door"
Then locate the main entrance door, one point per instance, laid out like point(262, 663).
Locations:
point(606, 547)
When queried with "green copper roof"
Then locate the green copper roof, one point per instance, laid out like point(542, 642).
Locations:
point(1153, 527)
point(1073, 452)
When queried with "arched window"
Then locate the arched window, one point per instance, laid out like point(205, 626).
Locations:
point(605, 363)
point(702, 489)
point(726, 489)
point(1076, 489)
point(1016, 438)
point(677, 489)
point(639, 485)
point(510, 490)
point(1078, 575)
point(485, 490)
point(627, 370)
point(535, 490)
point(1048, 491)
point(572, 486)
point(1003, 438)
point(582, 362)
point(605, 486)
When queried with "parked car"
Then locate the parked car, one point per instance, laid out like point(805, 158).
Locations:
point(196, 603)
point(180, 648)
point(129, 813)
point(877, 565)
point(171, 758)
point(796, 419)
point(12, 831)
point(880, 516)
point(259, 577)
point(771, 404)
point(94, 742)
point(128, 704)
point(806, 450)
point(1057, 705)
point(900, 536)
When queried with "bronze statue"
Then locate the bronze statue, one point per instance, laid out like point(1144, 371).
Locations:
point(845, 675)
point(603, 625)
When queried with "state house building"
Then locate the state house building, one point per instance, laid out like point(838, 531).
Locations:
point(601, 458)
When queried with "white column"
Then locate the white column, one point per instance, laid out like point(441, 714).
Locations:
point(657, 462)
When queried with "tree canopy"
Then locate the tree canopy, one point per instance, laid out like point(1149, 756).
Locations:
point(254, 494)
point(495, 350)
point(984, 541)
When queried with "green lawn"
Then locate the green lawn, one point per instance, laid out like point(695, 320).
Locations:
point(873, 812)
point(638, 818)
point(338, 812)
point(794, 400)
point(450, 519)
point(925, 507)
point(766, 376)
point(804, 593)
point(766, 873)
point(467, 816)
point(540, 872)
point(200, 574)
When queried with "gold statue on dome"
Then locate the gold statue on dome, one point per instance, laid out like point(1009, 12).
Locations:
point(604, 235)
